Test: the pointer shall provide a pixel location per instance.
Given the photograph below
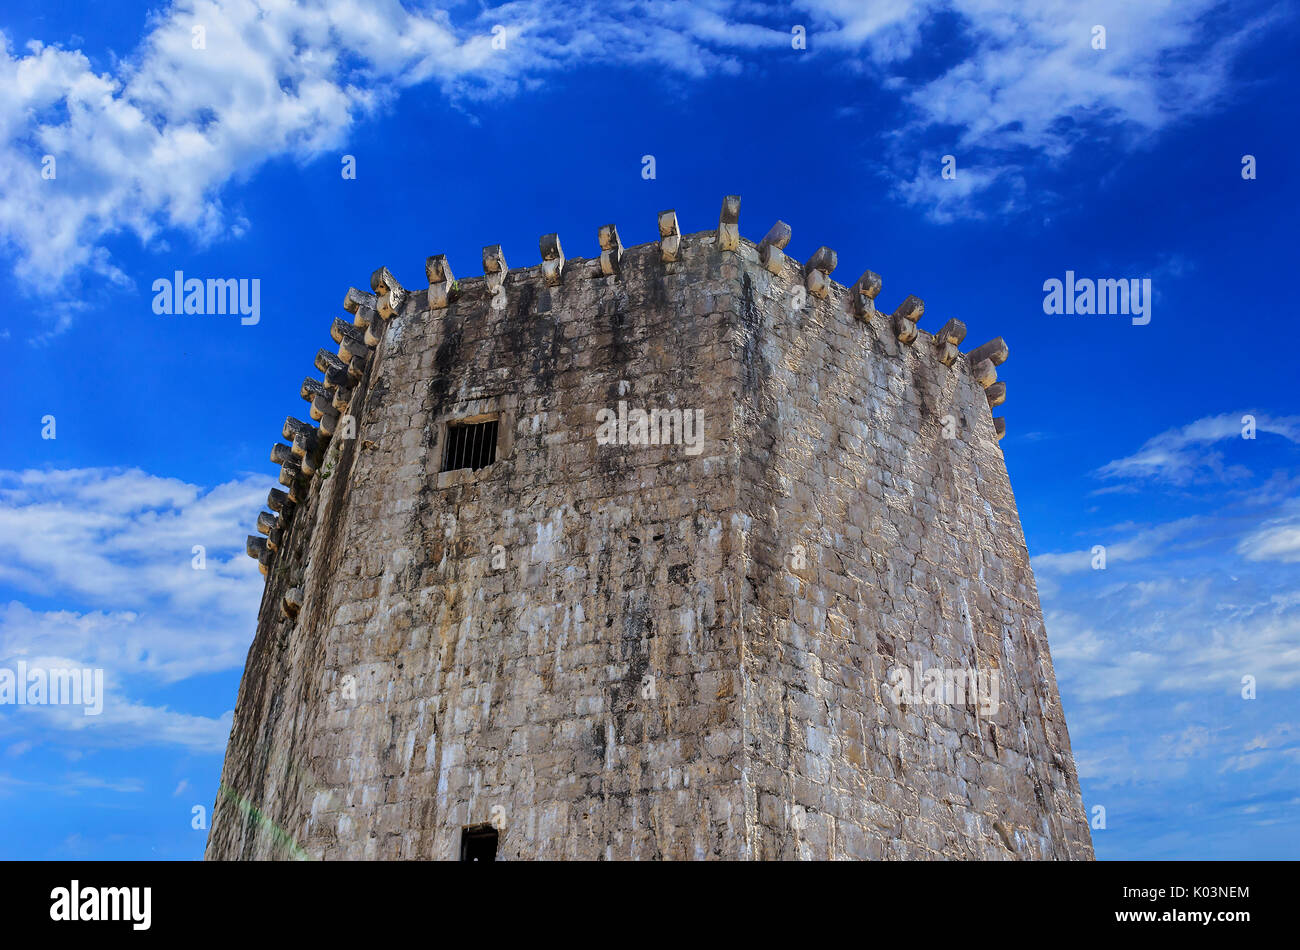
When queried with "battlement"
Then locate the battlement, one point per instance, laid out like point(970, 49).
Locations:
point(330, 398)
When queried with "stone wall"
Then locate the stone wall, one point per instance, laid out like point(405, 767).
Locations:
point(645, 651)
point(873, 543)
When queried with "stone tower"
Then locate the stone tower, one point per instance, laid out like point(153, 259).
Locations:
point(654, 555)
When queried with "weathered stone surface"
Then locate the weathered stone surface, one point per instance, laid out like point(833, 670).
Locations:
point(670, 236)
point(771, 252)
point(911, 309)
point(864, 292)
point(994, 350)
point(441, 280)
point(335, 370)
point(638, 651)
point(390, 296)
point(818, 270)
point(552, 259)
point(728, 236)
point(951, 333)
point(611, 249)
point(355, 300)
point(311, 388)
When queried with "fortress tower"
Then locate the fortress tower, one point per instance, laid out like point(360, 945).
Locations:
point(647, 556)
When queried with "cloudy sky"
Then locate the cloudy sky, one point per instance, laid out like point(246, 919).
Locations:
point(209, 137)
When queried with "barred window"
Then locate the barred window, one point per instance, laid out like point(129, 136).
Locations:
point(471, 445)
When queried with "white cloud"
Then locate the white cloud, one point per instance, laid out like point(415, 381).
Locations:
point(124, 724)
point(72, 783)
point(1172, 613)
point(950, 199)
point(1141, 545)
point(1278, 542)
point(1181, 456)
point(123, 539)
point(151, 145)
point(118, 543)
point(1032, 87)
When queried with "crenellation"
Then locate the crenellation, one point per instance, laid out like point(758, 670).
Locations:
point(373, 324)
point(905, 318)
point(355, 353)
point(728, 233)
point(328, 417)
point(266, 522)
point(441, 281)
point(864, 292)
point(291, 604)
point(611, 249)
point(354, 301)
point(771, 250)
point(322, 406)
point(335, 370)
point(390, 296)
point(298, 485)
point(341, 330)
point(947, 339)
point(818, 270)
point(312, 388)
point(994, 350)
point(951, 334)
point(670, 237)
point(303, 435)
point(552, 259)
point(290, 472)
point(494, 268)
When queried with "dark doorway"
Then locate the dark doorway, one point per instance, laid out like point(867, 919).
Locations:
point(478, 843)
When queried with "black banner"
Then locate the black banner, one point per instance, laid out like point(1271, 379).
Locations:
point(1223, 900)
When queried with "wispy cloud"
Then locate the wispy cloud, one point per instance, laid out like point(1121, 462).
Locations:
point(1184, 455)
point(152, 144)
point(1179, 663)
point(1139, 545)
point(1276, 542)
point(72, 783)
point(118, 544)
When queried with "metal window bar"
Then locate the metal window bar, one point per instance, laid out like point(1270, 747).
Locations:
point(470, 445)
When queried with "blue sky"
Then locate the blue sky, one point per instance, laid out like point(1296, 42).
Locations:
point(1122, 162)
